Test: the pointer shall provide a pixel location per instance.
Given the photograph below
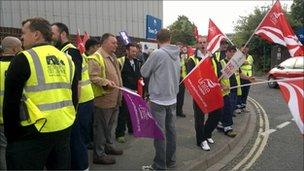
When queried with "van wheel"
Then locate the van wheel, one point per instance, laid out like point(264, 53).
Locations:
point(272, 84)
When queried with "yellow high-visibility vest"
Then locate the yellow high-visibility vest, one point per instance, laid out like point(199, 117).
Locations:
point(226, 81)
point(47, 98)
point(218, 56)
point(183, 68)
point(195, 60)
point(98, 58)
point(247, 69)
point(214, 66)
point(121, 62)
point(3, 67)
point(86, 92)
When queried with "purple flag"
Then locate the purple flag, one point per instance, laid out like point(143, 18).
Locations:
point(143, 123)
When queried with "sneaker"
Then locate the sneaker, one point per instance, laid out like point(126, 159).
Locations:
point(149, 167)
point(104, 160)
point(121, 139)
point(210, 140)
point(205, 146)
point(231, 133)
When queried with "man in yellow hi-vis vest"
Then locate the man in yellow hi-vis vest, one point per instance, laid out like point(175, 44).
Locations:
point(10, 46)
point(203, 129)
point(38, 108)
point(181, 92)
point(105, 74)
point(246, 69)
point(80, 132)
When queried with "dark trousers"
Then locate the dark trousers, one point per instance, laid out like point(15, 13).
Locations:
point(51, 150)
point(199, 119)
point(245, 92)
point(123, 120)
point(80, 136)
point(180, 99)
point(226, 117)
point(233, 100)
point(211, 123)
point(204, 130)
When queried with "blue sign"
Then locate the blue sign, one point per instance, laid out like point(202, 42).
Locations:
point(124, 36)
point(300, 34)
point(153, 27)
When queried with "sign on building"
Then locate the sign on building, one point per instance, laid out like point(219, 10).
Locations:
point(153, 26)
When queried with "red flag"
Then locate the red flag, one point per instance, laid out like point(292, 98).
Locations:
point(214, 38)
point(204, 87)
point(79, 43)
point(195, 33)
point(293, 93)
point(86, 37)
point(140, 87)
point(276, 29)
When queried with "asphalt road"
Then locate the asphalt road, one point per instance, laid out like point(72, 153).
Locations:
point(284, 149)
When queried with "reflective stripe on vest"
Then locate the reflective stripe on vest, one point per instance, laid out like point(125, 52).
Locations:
point(51, 108)
point(3, 67)
point(86, 93)
point(218, 56)
point(214, 66)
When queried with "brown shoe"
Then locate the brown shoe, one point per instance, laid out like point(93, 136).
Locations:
point(113, 151)
point(104, 160)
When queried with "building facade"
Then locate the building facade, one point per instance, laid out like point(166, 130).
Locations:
point(94, 17)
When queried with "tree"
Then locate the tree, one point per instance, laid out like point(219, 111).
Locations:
point(296, 14)
point(182, 31)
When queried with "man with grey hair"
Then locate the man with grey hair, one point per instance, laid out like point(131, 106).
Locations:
point(10, 46)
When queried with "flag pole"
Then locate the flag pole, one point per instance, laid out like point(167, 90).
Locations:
point(269, 81)
point(258, 27)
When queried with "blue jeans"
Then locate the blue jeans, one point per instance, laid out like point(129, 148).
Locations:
point(80, 136)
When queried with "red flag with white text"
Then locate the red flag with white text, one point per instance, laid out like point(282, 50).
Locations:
point(293, 93)
point(214, 38)
point(276, 29)
point(203, 86)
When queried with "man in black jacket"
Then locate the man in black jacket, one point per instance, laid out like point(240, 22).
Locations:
point(130, 73)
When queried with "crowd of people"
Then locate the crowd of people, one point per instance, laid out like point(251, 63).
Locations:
point(57, 103)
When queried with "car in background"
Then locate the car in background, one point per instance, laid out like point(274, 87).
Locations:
point(290, 68)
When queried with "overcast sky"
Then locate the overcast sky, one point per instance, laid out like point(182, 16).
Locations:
point(223, 13)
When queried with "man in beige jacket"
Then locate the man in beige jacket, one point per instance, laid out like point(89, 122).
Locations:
point(105, 75)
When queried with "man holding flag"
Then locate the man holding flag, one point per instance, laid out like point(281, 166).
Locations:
point(203, 131)
point(163, 69)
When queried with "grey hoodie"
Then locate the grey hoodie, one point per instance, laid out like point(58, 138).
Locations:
point(163, 70)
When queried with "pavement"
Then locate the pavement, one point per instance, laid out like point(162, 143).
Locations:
point(140, 151)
